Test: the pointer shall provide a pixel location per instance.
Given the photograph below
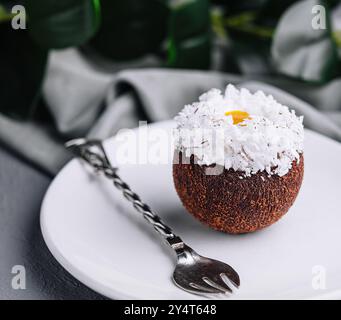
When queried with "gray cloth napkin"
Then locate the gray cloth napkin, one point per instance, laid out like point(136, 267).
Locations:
point(85, 100)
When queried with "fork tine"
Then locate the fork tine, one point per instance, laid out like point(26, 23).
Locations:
point(229, 282)
point(206, 288)
point(197, 289)
point(231, 278)
point(218, 283)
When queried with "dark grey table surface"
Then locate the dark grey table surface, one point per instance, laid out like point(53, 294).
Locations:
point(22, 189)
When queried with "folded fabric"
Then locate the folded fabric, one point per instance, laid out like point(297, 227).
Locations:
point(86, 101)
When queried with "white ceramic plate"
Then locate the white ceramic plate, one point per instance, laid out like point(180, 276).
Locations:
point(95, 234)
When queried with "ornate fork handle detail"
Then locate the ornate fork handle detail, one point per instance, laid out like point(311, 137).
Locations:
point(93, 153)
point(193, 272)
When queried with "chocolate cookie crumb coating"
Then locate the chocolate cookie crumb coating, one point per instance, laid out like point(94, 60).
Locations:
point(228, 203)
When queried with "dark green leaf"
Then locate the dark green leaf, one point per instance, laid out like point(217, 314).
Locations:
point(271, 11)
point(189, 34)
point(22, 65)
point(62, 23)
point(131, 28)
point(193, 52)
point(5, 13)
point(237, 7)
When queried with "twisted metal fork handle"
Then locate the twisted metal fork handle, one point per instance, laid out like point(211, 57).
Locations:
point(93, 153)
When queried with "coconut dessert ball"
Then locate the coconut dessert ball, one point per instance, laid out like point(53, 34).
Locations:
point(238, 162)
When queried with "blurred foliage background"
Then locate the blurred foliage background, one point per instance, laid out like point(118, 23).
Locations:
point(260, 37)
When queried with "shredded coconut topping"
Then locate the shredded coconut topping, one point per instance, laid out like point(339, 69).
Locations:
point(270, 139)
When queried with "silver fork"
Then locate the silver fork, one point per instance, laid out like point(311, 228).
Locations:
point(193, 272)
